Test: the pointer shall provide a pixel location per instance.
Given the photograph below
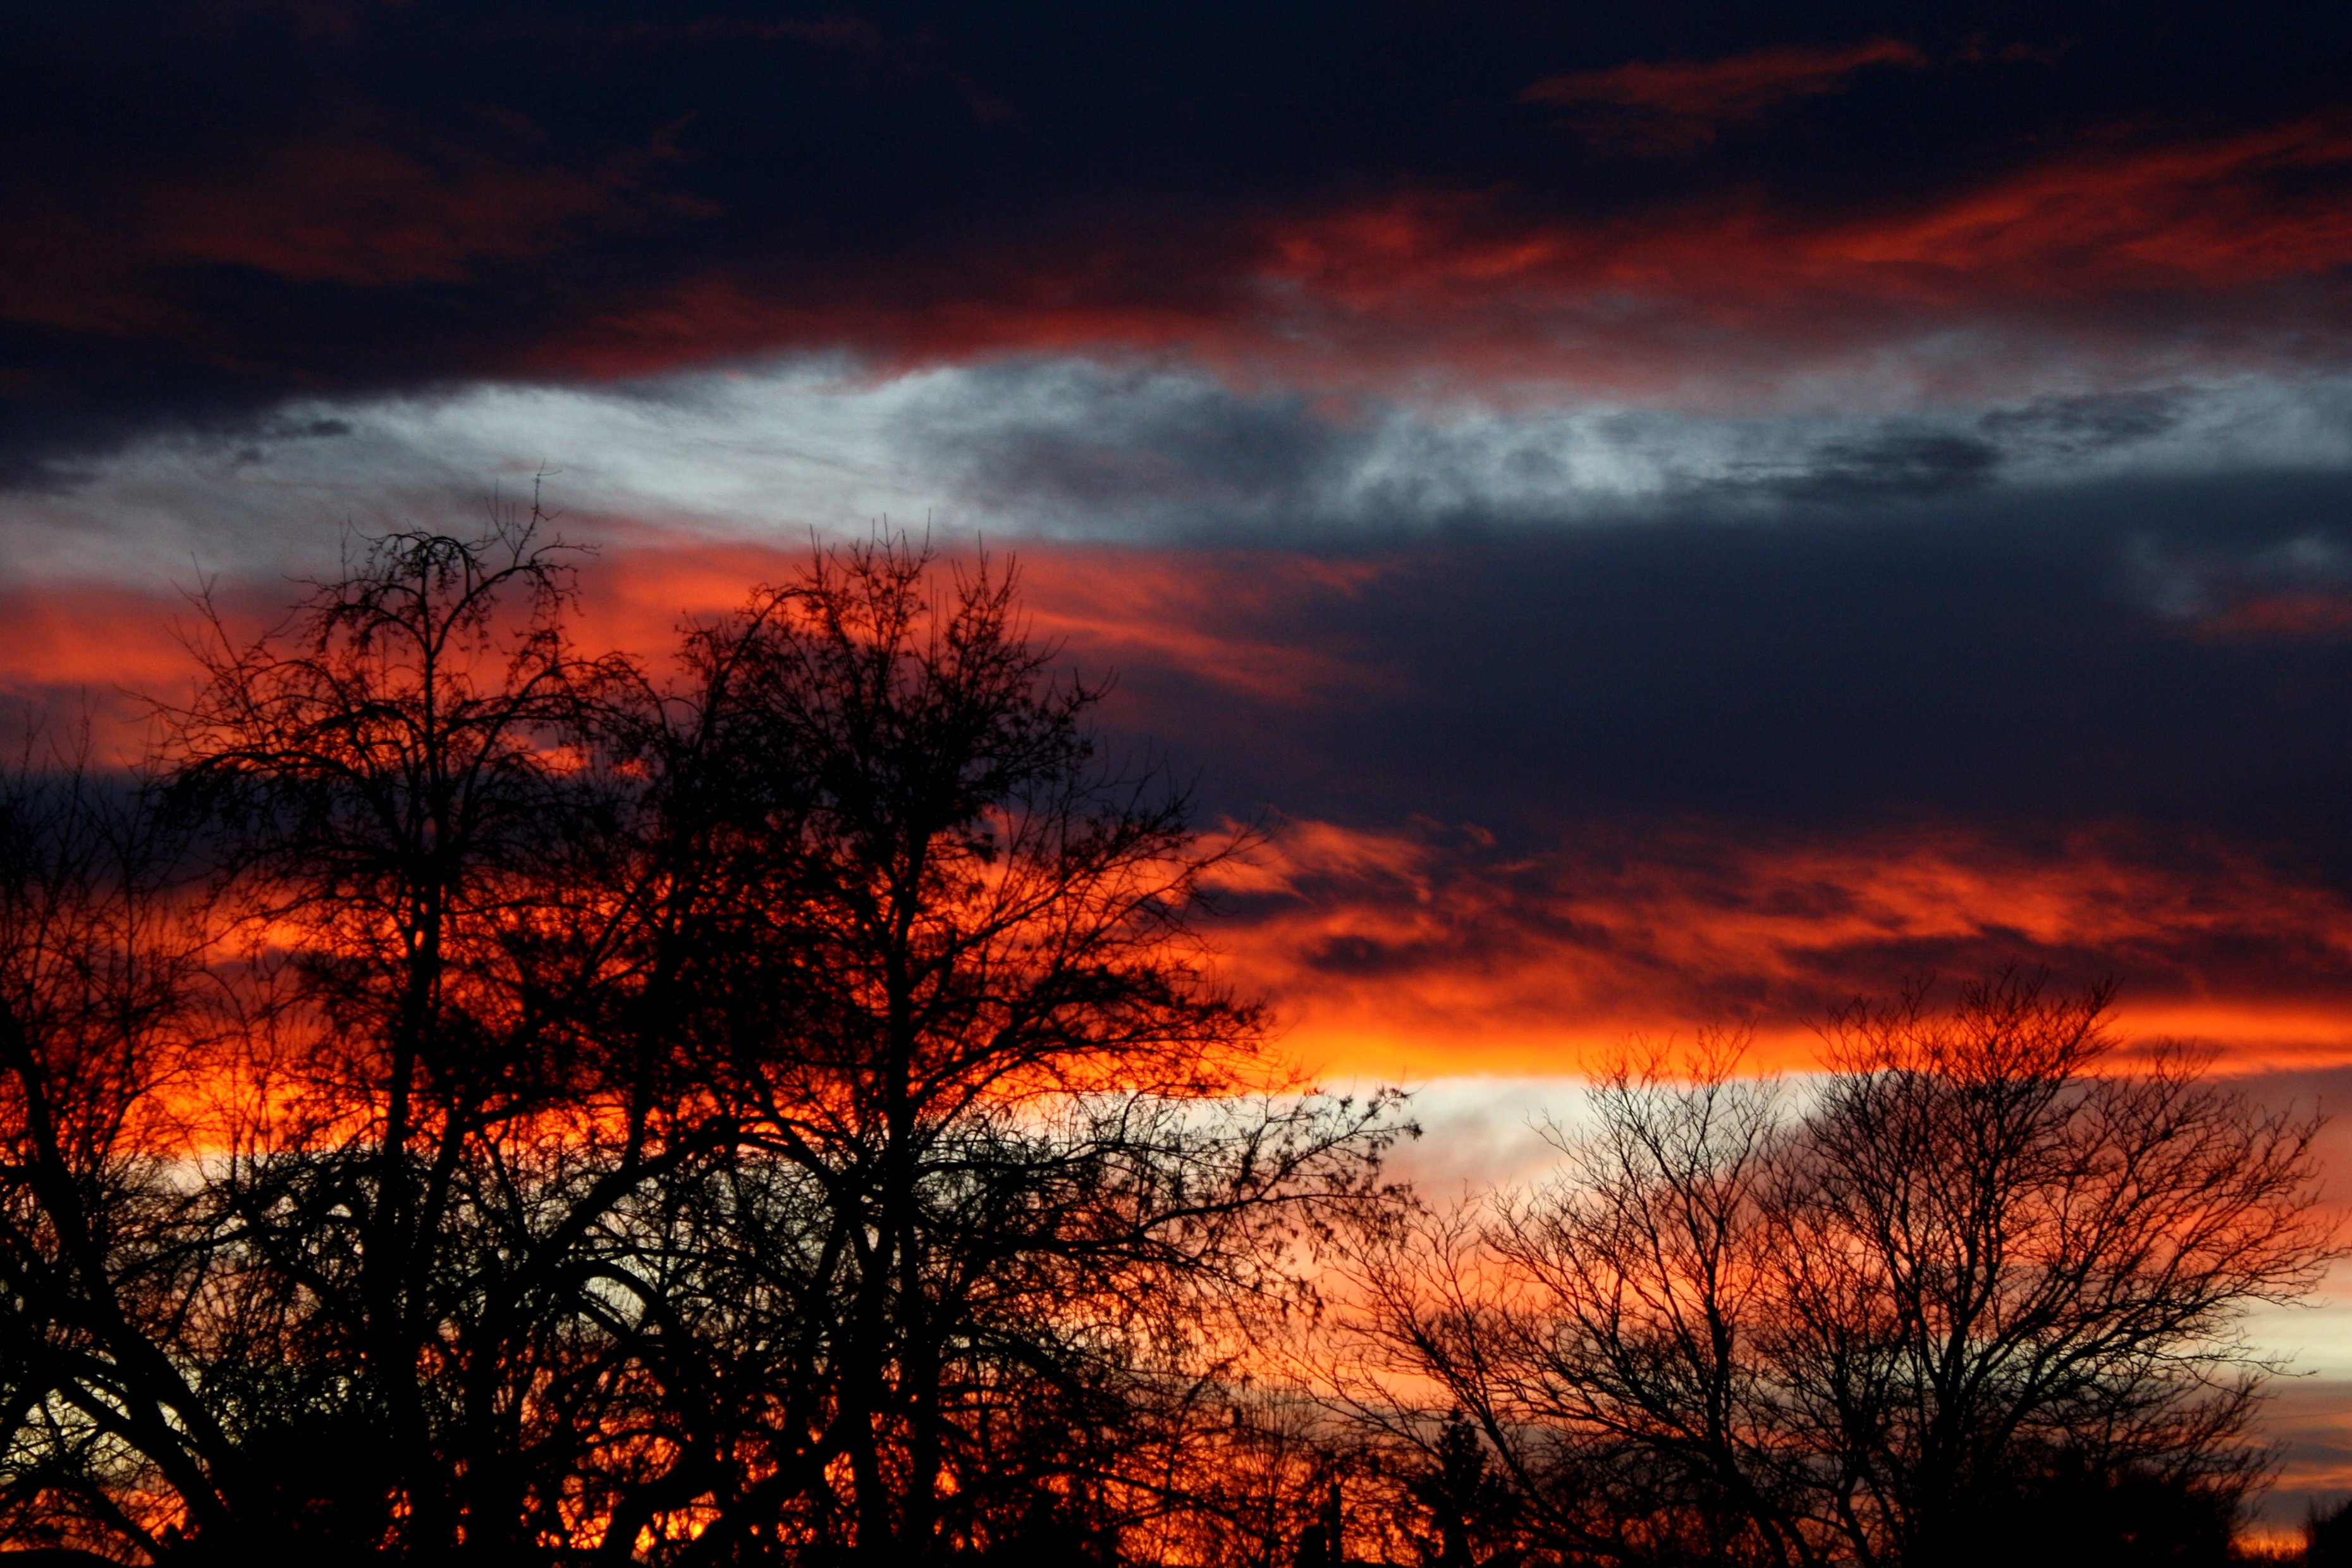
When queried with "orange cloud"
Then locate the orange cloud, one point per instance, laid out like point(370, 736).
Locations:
point(1426, 949)
point(1419, 954)
point(1121, 603)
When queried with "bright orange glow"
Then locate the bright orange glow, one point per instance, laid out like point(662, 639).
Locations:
point(1421, 951)
point(1400, 956)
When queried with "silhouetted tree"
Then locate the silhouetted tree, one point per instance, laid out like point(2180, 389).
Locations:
point(478, 1101)
point(1470, 1509)
point(514, 1106)
point(399, 787)
point(1986, 1262)
point(985, 1083)
point(103, 1415)
point(2327, 1535)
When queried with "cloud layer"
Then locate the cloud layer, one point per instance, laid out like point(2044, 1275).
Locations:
point(1535, 791)
point(213, 210)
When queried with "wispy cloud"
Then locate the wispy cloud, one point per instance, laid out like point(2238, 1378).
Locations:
point(1681, 104)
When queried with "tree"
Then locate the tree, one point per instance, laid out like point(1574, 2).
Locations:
point(2327, 1535)
point(399, 792)
point(1469, 1507)
point(1010, 1158)
point(1986, 1261)
point(486, 1101)
point(100, 1418)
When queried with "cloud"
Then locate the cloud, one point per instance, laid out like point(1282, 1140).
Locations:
point(1547, 790)
point(1139, 450)
point(2306, 1420)
point(2215, 214)
point(2083, 424)
point(223, 211)
point(1892, 465)
point(1507, 616)
point(2296, 589)
point(1677, 105)
point(1429, 949)
point(2109, 247)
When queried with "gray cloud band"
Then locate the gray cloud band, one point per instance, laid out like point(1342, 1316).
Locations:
point(1138, 452)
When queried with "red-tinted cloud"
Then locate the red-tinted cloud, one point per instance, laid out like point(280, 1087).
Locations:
point(2099, 244)
point(1108, 609)
point(2090, 244)
point(1420, 953)
point(1680, 104)
point(1412, 949)
point(232, 206)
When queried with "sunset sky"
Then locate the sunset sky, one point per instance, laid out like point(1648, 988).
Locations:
point(1674, 515)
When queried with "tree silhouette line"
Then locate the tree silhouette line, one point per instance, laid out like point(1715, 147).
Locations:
point(471, 1099)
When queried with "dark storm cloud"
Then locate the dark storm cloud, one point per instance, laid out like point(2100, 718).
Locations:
point(207, 209)
point(1546, 787)
point(1996, 660)
point(1146, 455)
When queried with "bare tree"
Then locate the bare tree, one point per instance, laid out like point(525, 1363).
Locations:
point(1019, 1140)
point(107, 1435)
point(1984, 1256)
point(773, 1112)
point(399, 791)
point(2003, 1249)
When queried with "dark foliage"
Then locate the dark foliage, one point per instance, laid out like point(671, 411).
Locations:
point(2327, 1536)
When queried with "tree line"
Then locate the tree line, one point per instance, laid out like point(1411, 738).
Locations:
point(469, 1098)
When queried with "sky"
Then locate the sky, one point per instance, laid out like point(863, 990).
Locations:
point(1673, 516)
